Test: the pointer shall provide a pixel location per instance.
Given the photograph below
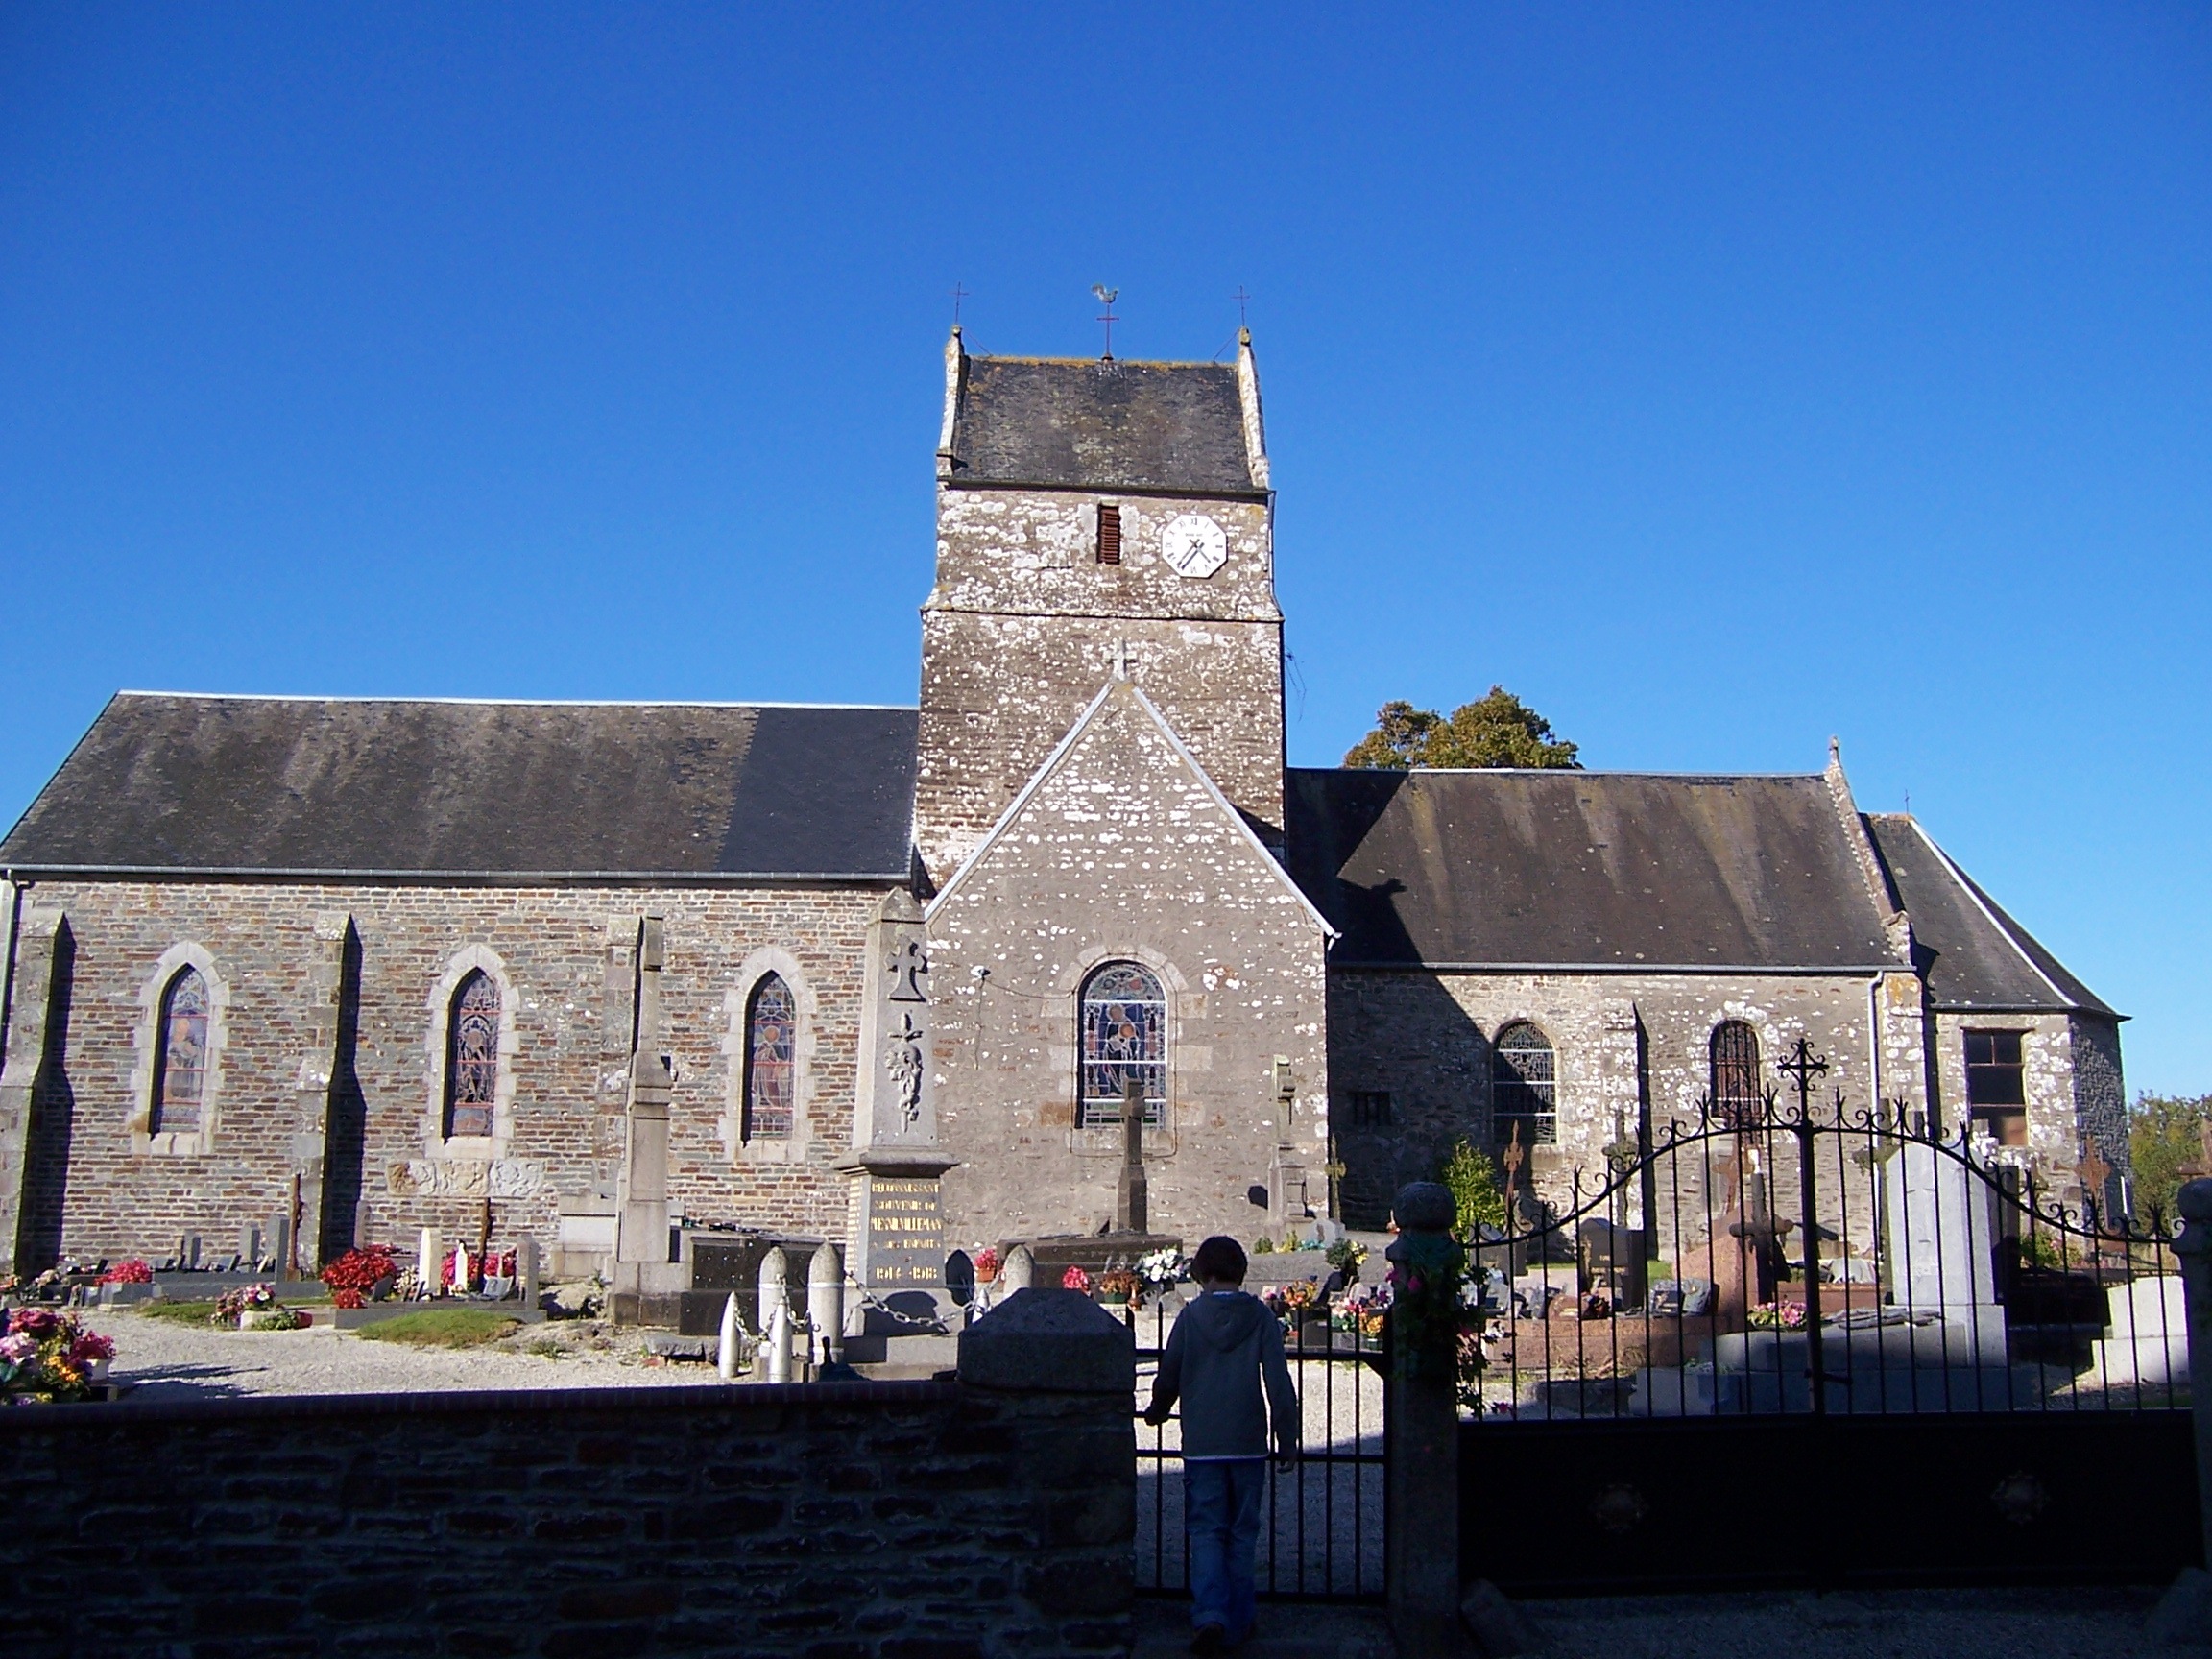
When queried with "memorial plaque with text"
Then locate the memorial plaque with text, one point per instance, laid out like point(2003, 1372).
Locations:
point(905, 1234)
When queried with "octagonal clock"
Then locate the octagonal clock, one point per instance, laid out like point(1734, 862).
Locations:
point(1194, 546)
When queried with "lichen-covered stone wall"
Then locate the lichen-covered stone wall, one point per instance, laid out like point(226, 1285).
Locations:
point(1123, 853)
point(100, 1185)
point(1626, 1048)
point(1025, 625)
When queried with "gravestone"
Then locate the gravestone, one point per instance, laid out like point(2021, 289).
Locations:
point(280, 1245)
point(526, 1270)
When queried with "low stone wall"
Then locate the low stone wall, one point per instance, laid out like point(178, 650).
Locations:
point(831, 1521)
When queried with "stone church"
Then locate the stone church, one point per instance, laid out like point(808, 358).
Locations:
point(614, 975)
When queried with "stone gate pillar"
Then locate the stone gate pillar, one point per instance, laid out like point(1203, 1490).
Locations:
point(1421, 1428)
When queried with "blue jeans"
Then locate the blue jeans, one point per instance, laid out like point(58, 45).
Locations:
point(1221, 1504)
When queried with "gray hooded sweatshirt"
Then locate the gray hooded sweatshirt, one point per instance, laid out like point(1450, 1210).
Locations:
point(1223, 1345)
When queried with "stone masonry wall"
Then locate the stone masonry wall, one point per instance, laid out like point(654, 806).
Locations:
point(1123, 853)
point(837, 1521)
point(1619, 1041)
point(1021, 629)
point(570, 1002)
point(2072, 1081)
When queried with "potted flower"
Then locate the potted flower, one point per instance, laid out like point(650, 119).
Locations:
point(1161, 1268)
point(254, 1308)
point(49, 1358)
point(1075, 1279)
point(987, 1264)
point(1117, 1288)
point(361, 1276)
point(126, 1282)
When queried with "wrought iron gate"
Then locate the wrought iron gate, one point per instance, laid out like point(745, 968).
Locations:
point(1807, 1342)
point(1322, 1538)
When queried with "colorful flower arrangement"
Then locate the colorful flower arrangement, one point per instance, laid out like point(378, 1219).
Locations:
point(1362, 1309)
point(49, 1358)
point(1119, 1285)
point(1778, 1316)
point(259, 1300)
point(1161, 1268)
point(131, 1273)
point(987, 1264)
point(1075, 1279)
point(353, 1278)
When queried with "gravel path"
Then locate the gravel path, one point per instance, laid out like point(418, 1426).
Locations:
point(167, 1361)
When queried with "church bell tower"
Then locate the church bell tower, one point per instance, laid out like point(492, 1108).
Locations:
point(1097, 520)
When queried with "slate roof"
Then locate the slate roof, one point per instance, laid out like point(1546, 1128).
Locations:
point(1069, 422)
point(348, 787)
point(1557, 868)
point(1978, 957)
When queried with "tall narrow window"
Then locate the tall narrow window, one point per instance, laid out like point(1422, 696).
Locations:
point(1524, 1085)
point(472, 1056)
point(1997, 1085)
point(1739, 1102)
point(1109, 534)
point(1124, 1038)
point(181, 1067)
point(771, 1033)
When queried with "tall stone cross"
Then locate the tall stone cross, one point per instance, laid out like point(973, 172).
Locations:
point(1132, 1200)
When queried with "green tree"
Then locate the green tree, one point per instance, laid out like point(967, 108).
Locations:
point(2164, 1132)
point(1496, 731)
point(1474, 1183)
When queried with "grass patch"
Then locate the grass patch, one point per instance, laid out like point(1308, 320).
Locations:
point(177, 1312)
point(441, 1328)
point(547, 1348)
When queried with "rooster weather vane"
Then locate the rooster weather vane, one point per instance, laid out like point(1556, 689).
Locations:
point(1106, 298)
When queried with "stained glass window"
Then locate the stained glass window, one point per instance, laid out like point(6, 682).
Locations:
point(1524, 1085)
point(181, 1069)
point(1124, 1036)
point(771, 1030)
point(472, 1056)
point(1738, 1100)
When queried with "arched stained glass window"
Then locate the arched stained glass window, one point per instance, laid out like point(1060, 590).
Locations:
point(472, 1056)
point(771, 1034)
point(1124, 1036)
point(181, 1069)
point(1524, 1085)
point(1738, 1100)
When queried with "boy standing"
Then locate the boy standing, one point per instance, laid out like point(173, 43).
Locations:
point(1226, 1344)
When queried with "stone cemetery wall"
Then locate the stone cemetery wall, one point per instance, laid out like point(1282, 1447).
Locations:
point(301, 1066)
point(832, 1521)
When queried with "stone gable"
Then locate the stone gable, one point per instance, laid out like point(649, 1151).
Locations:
point(1122, 850)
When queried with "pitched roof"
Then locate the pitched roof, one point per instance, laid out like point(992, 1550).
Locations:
point(1978, 957)
point(1557, 869)
point(337, 785)
point(1069, 422)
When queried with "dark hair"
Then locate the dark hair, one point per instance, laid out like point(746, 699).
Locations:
point(1220, 1257)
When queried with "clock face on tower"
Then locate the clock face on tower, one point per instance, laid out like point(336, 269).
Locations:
point(1194, 546)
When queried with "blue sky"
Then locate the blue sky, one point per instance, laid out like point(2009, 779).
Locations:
point(1716, 378)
